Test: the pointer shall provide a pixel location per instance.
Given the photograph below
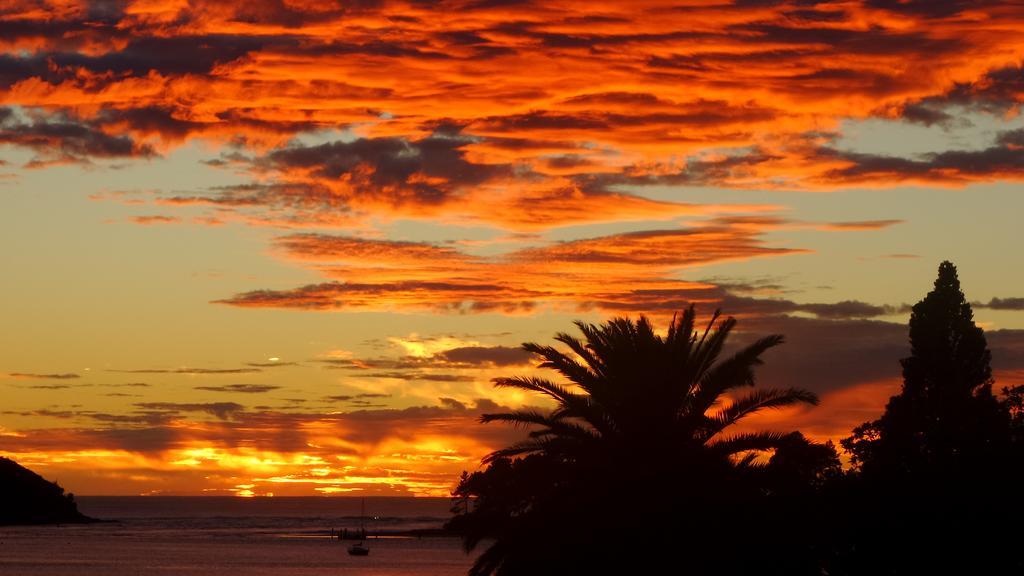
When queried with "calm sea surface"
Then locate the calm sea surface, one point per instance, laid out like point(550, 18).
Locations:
point(228, 536)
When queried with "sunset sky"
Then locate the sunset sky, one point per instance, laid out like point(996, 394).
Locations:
point(282, 246)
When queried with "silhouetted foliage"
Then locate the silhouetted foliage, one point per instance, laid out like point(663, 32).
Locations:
point(946, 420)
point(799, 465)
point(27, 498)
point(636, 440)
point(1014, 403)
point(931, 469)
point(632, 469)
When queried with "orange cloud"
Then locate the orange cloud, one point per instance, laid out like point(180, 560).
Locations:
point(606, 272)
point(545, 98)
point(155, 219)
point(629, 272)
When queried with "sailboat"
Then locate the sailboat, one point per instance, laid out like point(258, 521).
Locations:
point(359, 548)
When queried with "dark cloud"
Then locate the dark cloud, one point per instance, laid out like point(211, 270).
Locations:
point(281, 13)
point(825, 355)
point(372, 363)
point(700, 113)
point(426, 171)
point(329, 248)
point(922, 113)
point(697, 172)
point(452, 404)
point(248, 119)
point(242, 388)
point(412, 367)
point(337, 295)
point(34, 376)
point(851, 309)
point(189, 371)
point(453, 418)
point(353, 397)
point(829, 355)
point(1007, 349)
point(222, 410)
point(59, 138)
point(1002, 304)
point(167, 55)
point(139, 417)
point(931, 8)
point(150, 417)
point(869, 41)
point(1005, 157)
point(143, 440)
point(995, 92)
point(170, 123)
point(486, 355)
point(426, 376)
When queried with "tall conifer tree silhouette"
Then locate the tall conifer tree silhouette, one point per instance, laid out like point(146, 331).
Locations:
point(945, 419)
point(933, 466)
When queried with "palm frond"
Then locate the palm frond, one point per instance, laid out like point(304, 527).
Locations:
point(531, 445)
point(518, 418)
point(748, 461)
point(733, 372)
point(760, 400)
point(710, 346)
point(758, 441)
point(533, 384)
point(573, 371)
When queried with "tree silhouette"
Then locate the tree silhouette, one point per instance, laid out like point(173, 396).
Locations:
point(1014, 402)
point(799, 465)
point(933, 467)
point(639, 425)
point(945, 421)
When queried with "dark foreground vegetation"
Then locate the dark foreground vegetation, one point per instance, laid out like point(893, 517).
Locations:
point(637, 466)
point(28, 498)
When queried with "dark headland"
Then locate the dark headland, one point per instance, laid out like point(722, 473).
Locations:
point(28, 498)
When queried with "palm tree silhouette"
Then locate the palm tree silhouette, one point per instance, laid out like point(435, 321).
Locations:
point(637, 389)
point(640, 416)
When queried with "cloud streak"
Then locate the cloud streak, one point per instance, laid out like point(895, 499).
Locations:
point(240, 388)
point(34, 376)
point(629, 272)
point(193, 371)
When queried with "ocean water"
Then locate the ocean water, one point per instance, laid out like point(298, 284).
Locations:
point(226, 536)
